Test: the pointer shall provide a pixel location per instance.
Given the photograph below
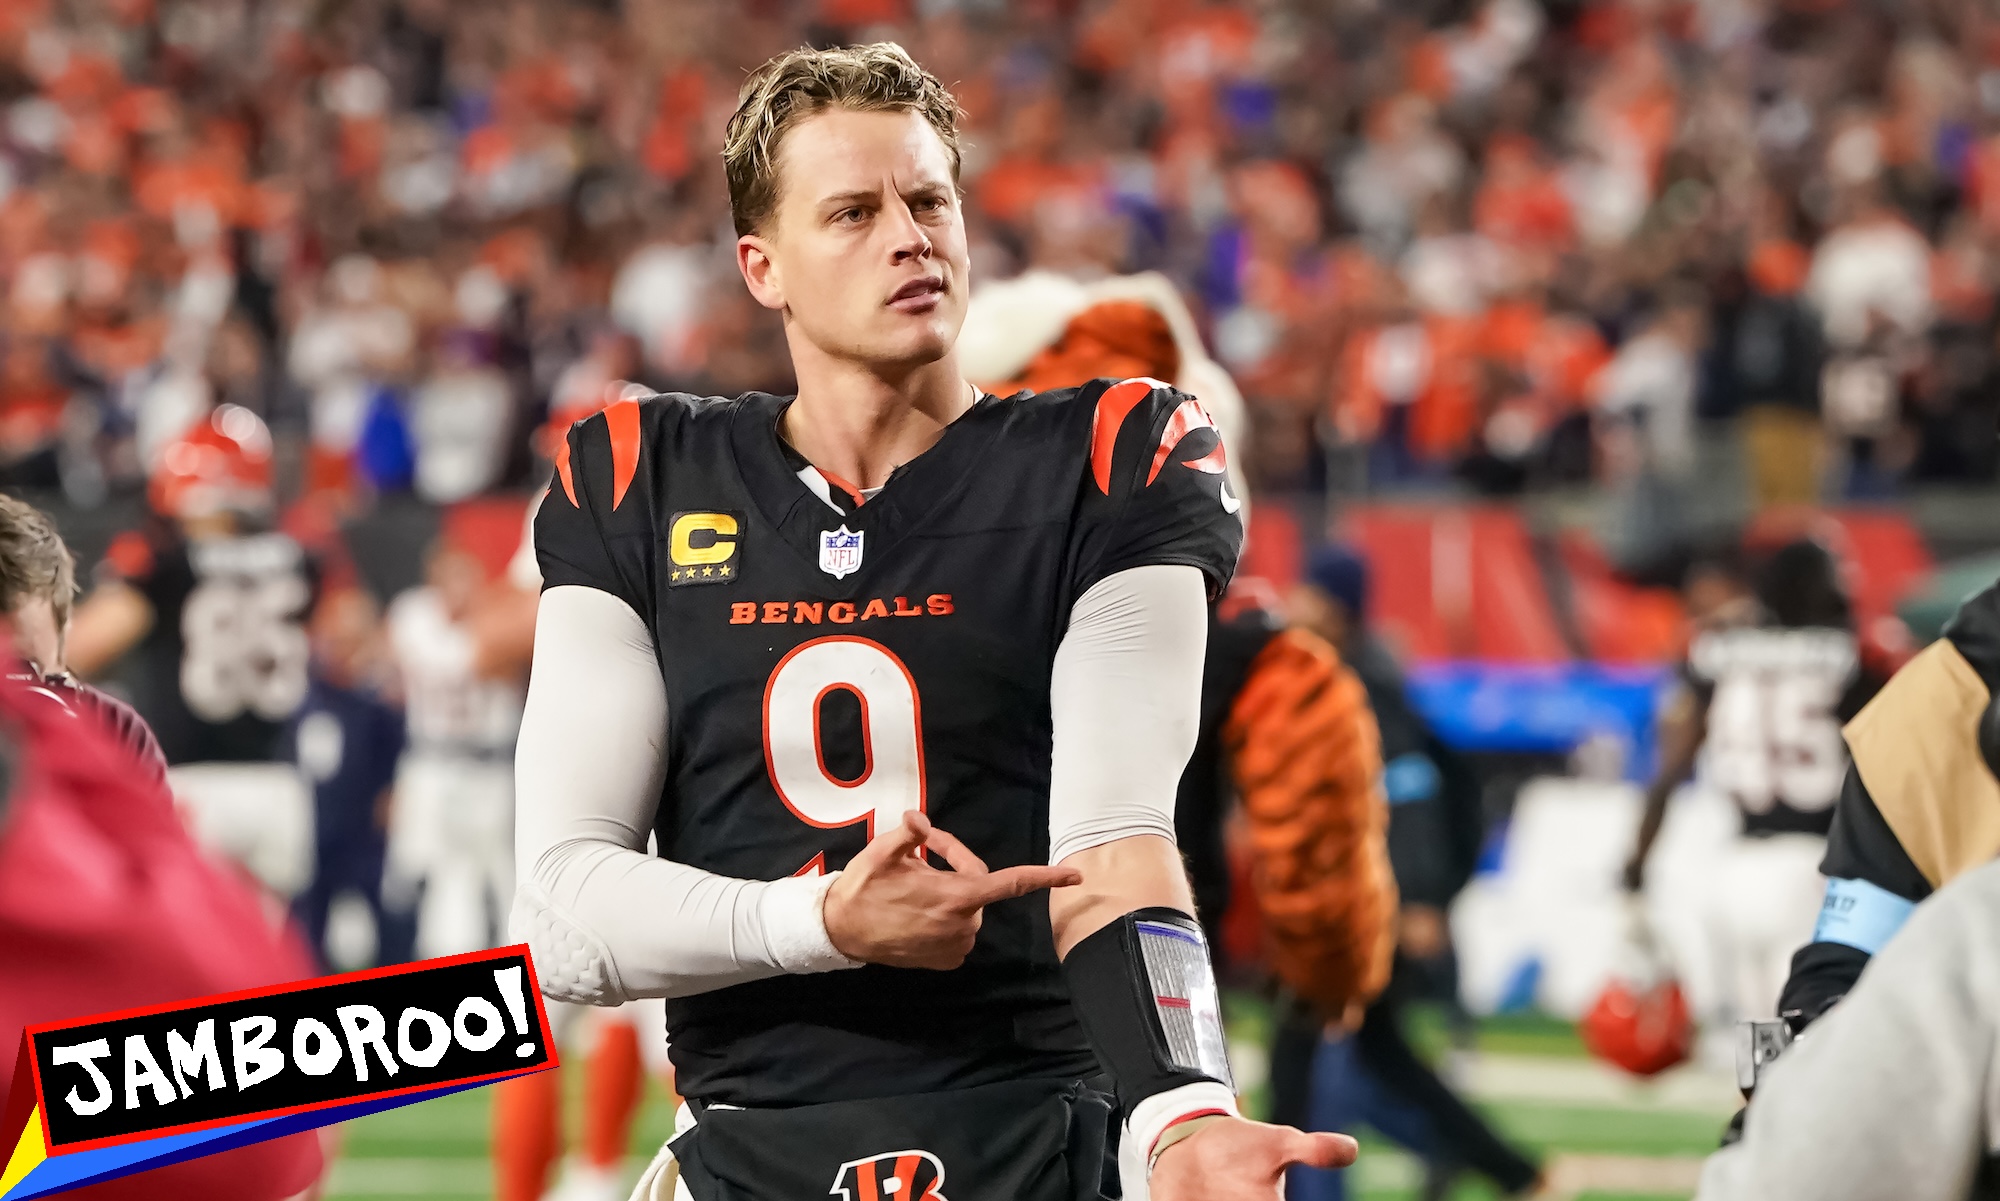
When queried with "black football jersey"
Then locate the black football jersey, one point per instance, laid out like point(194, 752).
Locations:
point(827, 670)
point(223, 666)
point(1777, 698)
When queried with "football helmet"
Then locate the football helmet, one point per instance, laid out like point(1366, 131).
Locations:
point(222, 464)
point(1644, 1029)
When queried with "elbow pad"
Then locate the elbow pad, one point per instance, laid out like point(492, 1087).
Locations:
point(1144, 989)
point(571, 964)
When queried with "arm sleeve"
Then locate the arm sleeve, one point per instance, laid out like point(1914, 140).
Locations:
point(606, 921)
point(1125, 700)
point(1893, 1094)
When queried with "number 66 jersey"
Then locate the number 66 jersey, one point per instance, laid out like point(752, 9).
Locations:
point(832, 660)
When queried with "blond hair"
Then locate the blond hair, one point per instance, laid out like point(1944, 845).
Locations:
point(34, 561)
point(795, 85)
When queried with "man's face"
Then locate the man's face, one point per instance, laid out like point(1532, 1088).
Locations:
point(1315, 609)
point(458, 578)
point(343, 629)
point(38, 635)
point(866, 249)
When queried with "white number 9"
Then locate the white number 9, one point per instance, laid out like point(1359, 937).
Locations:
point(892, 779)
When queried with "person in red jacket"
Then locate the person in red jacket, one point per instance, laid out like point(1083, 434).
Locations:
point(106, 904)
point(37, 595)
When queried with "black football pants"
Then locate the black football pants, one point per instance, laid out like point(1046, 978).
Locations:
point(1025, 1140)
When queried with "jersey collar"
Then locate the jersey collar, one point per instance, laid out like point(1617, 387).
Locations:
point(911, 494)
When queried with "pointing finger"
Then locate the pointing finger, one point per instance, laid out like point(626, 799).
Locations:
point(1011, 882)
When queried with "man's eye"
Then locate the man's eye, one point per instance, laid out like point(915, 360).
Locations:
point(850, 216)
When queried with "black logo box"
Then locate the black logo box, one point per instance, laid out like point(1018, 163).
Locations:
point(461, 1020)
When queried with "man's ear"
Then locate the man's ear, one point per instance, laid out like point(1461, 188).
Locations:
point(760, 271)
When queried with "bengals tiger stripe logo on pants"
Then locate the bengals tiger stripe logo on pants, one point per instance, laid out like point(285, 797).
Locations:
point(891, 1176)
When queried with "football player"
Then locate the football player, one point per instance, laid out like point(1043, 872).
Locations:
point(211, 604)
point(452, 828)
point(876, 665)
point(1767, 692)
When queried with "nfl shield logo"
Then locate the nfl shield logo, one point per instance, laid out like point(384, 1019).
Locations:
point(840, 552)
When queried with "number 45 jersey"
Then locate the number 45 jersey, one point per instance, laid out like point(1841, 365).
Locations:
point(830, 663)
point(1777, 699)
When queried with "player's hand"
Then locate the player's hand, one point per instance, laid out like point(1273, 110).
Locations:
point(1422, 931)
point(1634, 875)
point(891, 907)
point(1236, 1159)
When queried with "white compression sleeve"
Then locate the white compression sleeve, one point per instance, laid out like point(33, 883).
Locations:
point(1125, 701)
point(606, 921)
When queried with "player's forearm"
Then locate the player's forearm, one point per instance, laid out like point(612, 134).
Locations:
point(1140, 872)
point(110, 622)
point(609, 924)
point(1125, 698)
point(607, 921)
point(1681, 734)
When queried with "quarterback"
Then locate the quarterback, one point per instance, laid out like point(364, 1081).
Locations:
point(898, 678)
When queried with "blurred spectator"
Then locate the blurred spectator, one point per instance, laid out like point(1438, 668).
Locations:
point(462, 416)
point(347, 349)
point(360, 227)
point(451, 840)
point(347, 738)
point(1766, 357)
point(37, 595)
point(1646, 395)
point(1337, 1080)
point(1873, 268)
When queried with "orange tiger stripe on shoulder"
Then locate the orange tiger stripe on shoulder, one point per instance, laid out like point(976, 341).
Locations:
point(621, 420)
point(563, 473)
point(1114, 404)
point(1188, 418)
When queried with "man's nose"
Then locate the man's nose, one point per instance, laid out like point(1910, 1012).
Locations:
point(911, 240)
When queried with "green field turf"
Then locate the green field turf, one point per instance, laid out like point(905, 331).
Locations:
point(439, 1148)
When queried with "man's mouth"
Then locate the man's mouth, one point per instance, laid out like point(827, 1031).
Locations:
point(929, 285)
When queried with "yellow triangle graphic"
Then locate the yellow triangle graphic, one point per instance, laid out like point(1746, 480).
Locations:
point(28, 1153)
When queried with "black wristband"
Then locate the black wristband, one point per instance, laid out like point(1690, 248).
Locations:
point(1144, 989)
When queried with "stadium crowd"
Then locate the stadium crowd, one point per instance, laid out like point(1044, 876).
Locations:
point(1502, 241)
